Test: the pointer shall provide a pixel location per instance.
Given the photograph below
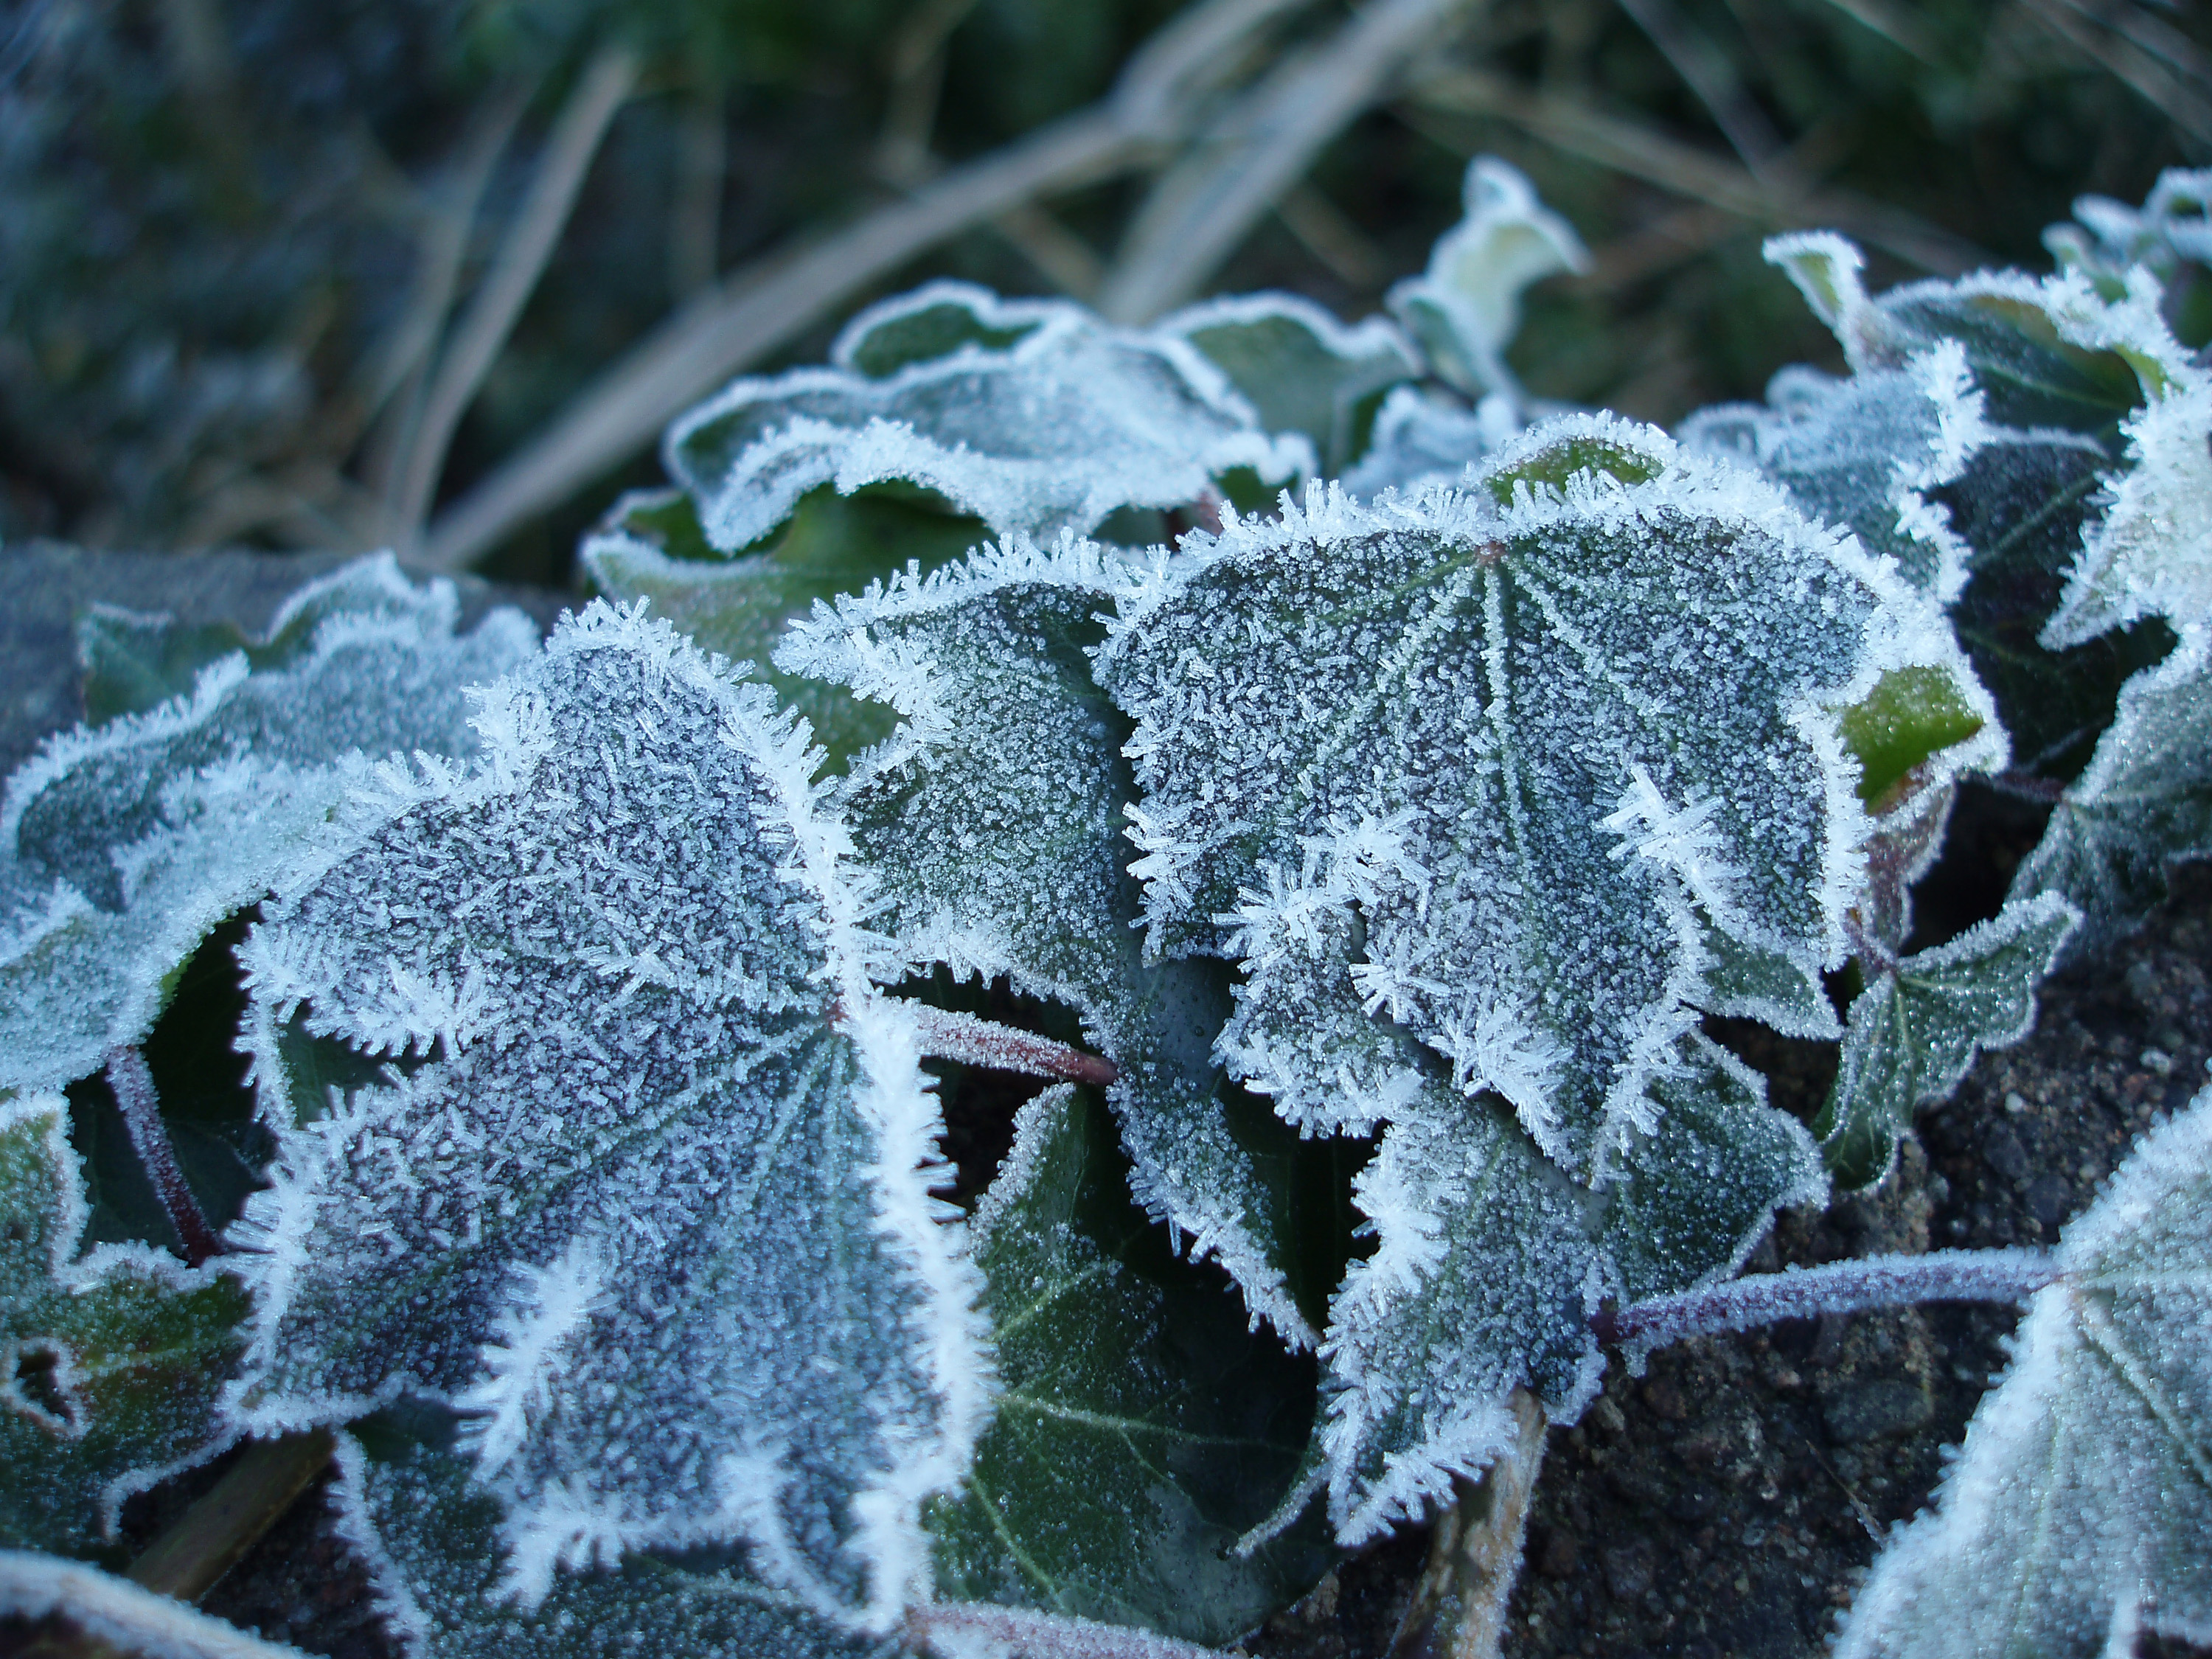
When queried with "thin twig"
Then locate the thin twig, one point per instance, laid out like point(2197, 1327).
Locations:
point(972, 1041)
point(214, 1535)
point(115, 1612)
point(955, 1628)
point(127, 1075)
point(1629, 147)
point(755, 309)
point(604, 85)
point(1205, 206)
point(1880, 1281)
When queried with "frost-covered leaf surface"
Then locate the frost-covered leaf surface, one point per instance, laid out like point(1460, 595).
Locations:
point(1476, 762)
point(651, 549)
point(2078, 1512)
point(1916, 1028)
point(1031, 415)
point(1300, 369)
point(2143, 803)
point(110, 1359)
point(1141, 1426)
point(1422, 436)
point(121, 846)
point(654, 1214)
point(428, 1530)
point(1465, 309)
point(1859, 453)
point(994, 822)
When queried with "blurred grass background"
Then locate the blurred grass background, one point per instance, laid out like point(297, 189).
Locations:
point(344, 273)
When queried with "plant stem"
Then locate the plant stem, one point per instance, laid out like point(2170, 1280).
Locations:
point(1880, 1281)
point(127, 1075)
point(1458, 1609)
point(104, 1617)
point(973, 1042)
point(214, 1534)
point(964, 1627)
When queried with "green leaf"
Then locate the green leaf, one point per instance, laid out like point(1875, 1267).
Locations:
point(427, 1529)
point(2075, 1521)
point(739, 607)
point(110, 1362)
point(1471, 771)
point(1067, 422)
point(1911, 715)
point(1142, 1427)
point(655, 1209)
point(134, 661)
point(994, 822)
point(1299, 369)
point(2143, 803)
point(1915, 1030)
point(121, 848)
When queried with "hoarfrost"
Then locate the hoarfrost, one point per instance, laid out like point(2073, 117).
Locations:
point(1916, 1028)
point(1033, 415)
point(122, 846)
point(657, 1205)
point(2076, 1514)
point(1465, 309)
point(1595, 695)
point(129, 1347)
point(994, 822)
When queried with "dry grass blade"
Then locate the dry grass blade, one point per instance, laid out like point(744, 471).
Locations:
point(1706, 71)
point(1458, 1606)
point(1894, 24)
point(1208, 203)
point(2148, 72)
point(604, 85)
point(759, 308)
point(1629, 147)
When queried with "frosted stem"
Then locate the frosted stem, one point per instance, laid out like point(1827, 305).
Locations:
point(133, 1084)
point(973, 1042)
point(1880, 1281)
point(957, 1630)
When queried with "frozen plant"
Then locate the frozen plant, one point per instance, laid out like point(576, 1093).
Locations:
point(1360, 786)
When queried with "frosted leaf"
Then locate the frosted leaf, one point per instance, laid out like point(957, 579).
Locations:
point(1489, 1265)
point(2047, 352)
point(2143, 803)
point(1859, 455)
point(1698, 1193)
point(1916, 1027)
point(110, 1360)
point(1482, 1281)
point(1745, 981)
point(121, 846)
point(655, 1211)
point(1566, 712)
point(2174, 224)
point(650, 548)
point(426, 1531)
point(2146, 555)
point(994, 822)
point(1038, 416)
point(2078, 1512)
point(1423, 437)
point(1300, 369)
point(2022, 506)
point(1465, 309)
point(1140, 1427)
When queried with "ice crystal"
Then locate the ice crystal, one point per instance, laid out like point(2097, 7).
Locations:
point(994, 820)
point(121, 846)
point(1300, 369)
point(655, 1210)
point(1033, 415)
point(1919, 1024)
point(1510, 752)
point(2077, 1517)
point(1465, 309)
point(110, 1361)
point(2144, 803)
